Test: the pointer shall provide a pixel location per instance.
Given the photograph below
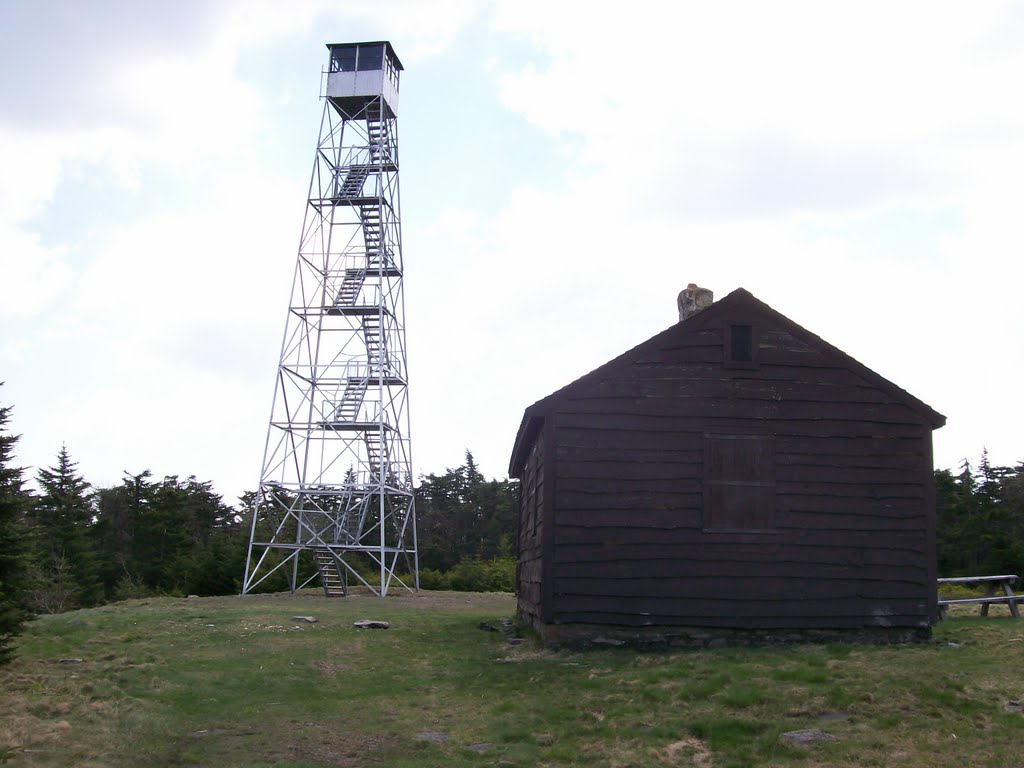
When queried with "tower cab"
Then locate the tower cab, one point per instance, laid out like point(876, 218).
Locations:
point(360, 72)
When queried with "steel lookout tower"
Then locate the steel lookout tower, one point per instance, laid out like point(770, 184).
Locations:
point(335, 501)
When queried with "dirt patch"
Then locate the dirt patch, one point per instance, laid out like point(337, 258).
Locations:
point(518, 654)
point(687, 752)
point(344, 750)
point(277, 741)
point(26, 732)
point(328, 668)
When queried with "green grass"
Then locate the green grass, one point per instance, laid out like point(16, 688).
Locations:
point(235, 682)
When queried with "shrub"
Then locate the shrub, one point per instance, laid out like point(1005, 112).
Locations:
point(496, 575)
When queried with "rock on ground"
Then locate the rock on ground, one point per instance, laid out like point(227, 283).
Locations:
point(367, 624)
point(806, 736)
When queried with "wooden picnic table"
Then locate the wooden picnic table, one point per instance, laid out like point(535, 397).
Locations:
point(992, 584)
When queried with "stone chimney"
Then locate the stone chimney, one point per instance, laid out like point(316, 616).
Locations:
point(692, 300)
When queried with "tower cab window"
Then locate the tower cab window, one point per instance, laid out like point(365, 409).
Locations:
point(343, 59)
point(357, 58)
point(371, 57)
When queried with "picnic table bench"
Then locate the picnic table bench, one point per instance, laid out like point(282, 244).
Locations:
point(1004, 582)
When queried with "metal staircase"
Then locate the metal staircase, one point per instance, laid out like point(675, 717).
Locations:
point(370, 217)
point(376, 457)
point(377, 133)
point(351, 284)
point(351, 185)
point(353, 517)
point(332, 576)
point(347, 409)
point(374, 343)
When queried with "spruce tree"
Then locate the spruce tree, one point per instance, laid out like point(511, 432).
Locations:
point(13, 504)
point(66, 566)
point(462, 516)
point(118, 512)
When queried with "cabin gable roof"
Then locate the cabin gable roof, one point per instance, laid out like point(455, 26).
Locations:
point(738, 304)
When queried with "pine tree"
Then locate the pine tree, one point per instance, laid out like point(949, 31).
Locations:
point(118, 510)
point(66, 566)
point(462, 516)
point(13, 504)
point(171, 537)
point(980, 519)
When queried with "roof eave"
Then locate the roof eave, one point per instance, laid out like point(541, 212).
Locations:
point(528, 429)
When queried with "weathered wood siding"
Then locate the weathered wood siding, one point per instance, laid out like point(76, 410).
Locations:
point(529, 566)
point(850, 543)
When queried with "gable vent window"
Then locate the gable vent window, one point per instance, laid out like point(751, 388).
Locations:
point(741, 344)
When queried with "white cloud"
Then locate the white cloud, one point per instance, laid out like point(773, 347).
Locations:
point(151, 342)
point(31, 174)
point(737, 144)
point(808, 152)
point(33, 276)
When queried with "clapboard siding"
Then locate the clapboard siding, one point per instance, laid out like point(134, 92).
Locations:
point(656, 515)
point(633, 440)
point(848, 538)
point(530, 561)
point(725, 574)
point(842, 390)
point(815, 609)
point(791, 468)
point(741, 591)
point(626, 423)
point(687, 408)
point(800, 546)
point(680, 578)
point(806, 617)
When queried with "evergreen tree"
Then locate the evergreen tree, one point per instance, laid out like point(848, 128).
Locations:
point(65, 566)
point(980, 519)
point(172, 537)
point(118, 510)
point(162, 537)
point(186, 537)
point(13, 505)
point(462, 516)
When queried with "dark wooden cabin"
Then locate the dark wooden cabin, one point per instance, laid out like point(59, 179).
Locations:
point(733, 476)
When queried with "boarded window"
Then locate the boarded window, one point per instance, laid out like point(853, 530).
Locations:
point(739, 482)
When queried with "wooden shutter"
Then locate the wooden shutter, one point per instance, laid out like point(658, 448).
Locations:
point(739, 482)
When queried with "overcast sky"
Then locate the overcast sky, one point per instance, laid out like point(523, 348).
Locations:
point(566, 168)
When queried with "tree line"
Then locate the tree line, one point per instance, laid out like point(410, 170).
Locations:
point(980, 519)
point(69, 545)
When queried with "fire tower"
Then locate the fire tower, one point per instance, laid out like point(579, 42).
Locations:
point(335, 501)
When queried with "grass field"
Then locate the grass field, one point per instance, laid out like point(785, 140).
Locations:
point(235, 681)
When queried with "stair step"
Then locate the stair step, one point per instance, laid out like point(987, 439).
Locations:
point(331, 578)
point(350, 286)
point(352, 183)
